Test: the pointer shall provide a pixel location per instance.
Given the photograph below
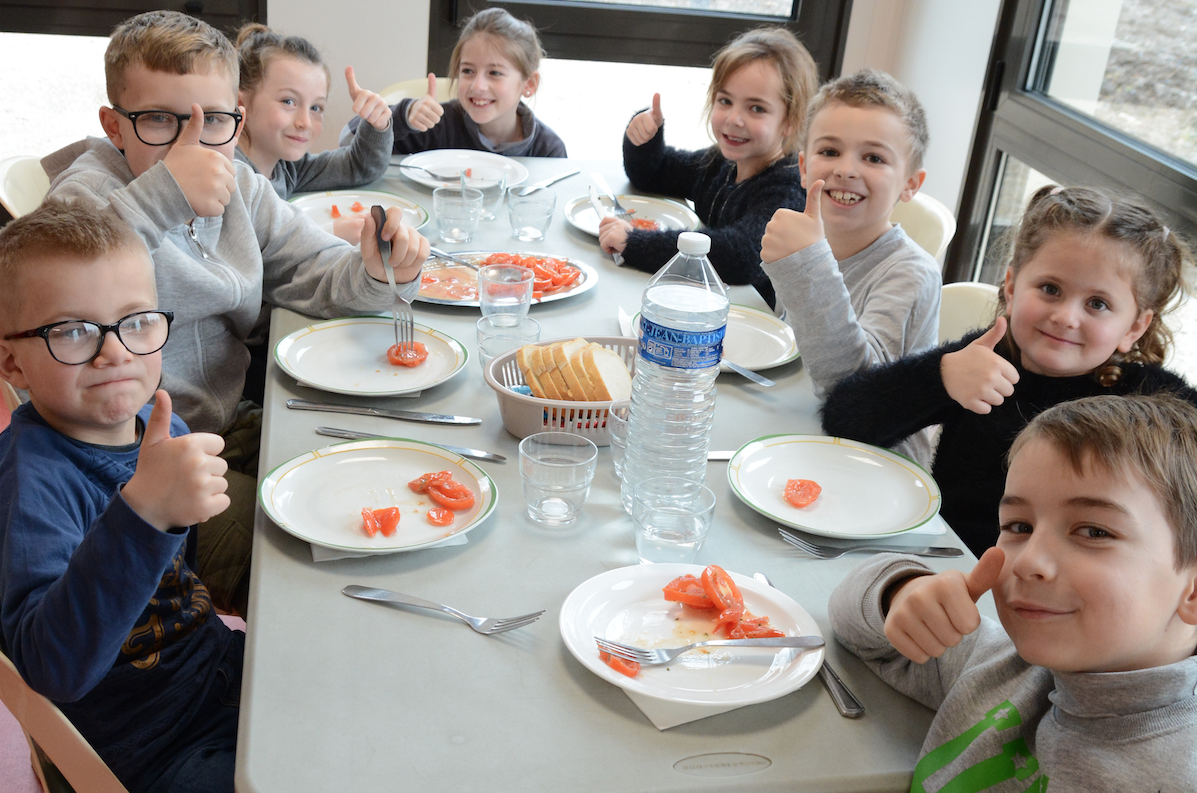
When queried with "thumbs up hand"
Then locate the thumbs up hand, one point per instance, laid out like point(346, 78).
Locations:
point(179, 481)
point(370, 106)
point(930, 613)
point(425, 113)
point(206, 176)
point(644, 126)
point(977, 377)
point(789, 231)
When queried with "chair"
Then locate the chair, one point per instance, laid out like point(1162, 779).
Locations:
point(417, 87)
point(53, 737)
point(927, 222)
point(23, 185)
point(965, 306)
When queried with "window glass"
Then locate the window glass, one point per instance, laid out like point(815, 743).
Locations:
point(1016, 184)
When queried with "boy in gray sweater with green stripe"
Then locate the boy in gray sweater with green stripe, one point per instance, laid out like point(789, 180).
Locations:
point(1092, 684)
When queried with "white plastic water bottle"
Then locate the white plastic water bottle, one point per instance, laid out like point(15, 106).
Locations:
point(683, 317)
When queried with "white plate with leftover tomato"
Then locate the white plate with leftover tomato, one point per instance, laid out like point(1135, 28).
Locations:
point(627, 605)
point(867, 492)
point(451, 284)
point(319, 496)
point(451, 162)
point(349, 356)
point(325, 208)
point(655, 214)
point(755, 339)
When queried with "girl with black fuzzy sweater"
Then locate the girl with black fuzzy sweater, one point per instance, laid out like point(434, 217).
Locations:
point(1079, 315)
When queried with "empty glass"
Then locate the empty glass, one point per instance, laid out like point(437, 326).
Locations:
point(556, 469)
point(457, 212)
point(495, 339)
point(493, 184)
point(617, 430)
point(672, 517)
point(505, 292)
point(531, 211)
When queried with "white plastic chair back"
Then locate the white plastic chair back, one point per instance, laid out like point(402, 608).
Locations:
point(965, 306)
point(927, 221)
point(417, 87)
point(23, 185)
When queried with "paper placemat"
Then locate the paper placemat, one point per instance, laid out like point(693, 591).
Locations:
point(665, 714)
point(306, 384)
point(321, 553)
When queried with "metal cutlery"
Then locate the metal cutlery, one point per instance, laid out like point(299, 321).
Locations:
point(616, 207)
point(440, 177)
point(353, 435)
point(405, 326)
point(715, 456)
point(845, 701)
point(438, 253)
point(834, 551)
point(488, 626)
point(658, 656)
point(602, 213)
point(528, 188)
point(751, 375)
point(386, 413)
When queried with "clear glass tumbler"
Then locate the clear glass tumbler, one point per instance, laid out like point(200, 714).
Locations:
point(457, 212)
point(671, 516)
point(505, 292)
point(530, 211)
point(556, 469)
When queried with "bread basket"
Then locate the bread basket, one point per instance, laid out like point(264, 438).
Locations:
point(527, 415)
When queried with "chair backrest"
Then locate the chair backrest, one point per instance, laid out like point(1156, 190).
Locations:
point(23, 185)
point(44, 723)
point(927, 221)
point(965, 306)
point(417, 87)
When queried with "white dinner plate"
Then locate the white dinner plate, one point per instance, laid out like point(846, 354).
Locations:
point(868, 492)
point(672, 215)
point(349, 356)
point(454, 161)
point(755, 339)
point(318, 206)
point(319, 496)
point(626, 605)
point(585, 282)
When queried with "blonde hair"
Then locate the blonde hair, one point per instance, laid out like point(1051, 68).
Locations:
point(799, 74)
point(872, 88)
point(1155, 436)
point(166, 41)
point(1158, 284)
point(517, 39)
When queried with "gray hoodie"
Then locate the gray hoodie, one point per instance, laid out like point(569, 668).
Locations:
point(214, 273)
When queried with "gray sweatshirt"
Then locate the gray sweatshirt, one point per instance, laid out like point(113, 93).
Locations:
point(214, 273)
point(1002, 724)
point(363, 160)
point(871, 308)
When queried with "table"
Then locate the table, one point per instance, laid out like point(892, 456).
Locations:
point(341, 695)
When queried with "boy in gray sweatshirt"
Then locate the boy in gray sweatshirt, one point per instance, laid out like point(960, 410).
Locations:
point(1090, 682)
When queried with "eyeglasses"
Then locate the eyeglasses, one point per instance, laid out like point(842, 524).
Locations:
point(161, 127)
point(79, 341)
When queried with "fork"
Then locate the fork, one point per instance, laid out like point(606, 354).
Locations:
point(835, 552)
point(616, 207)
point(440, 177)
point(448, 257)
point(405, 325)
point(488, 626)
point(663, 656)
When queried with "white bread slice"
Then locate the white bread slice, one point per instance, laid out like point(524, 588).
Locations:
point(523, 359)
point(607, 372)
point(548, 354)
point(539, 368)
point(575, 362)
point(561, 356)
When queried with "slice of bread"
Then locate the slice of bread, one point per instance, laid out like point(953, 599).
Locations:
point(539, 368)
point(607, 372)
point(575, 361)
point(552, 373)
point(561, 356)
point(523, 359)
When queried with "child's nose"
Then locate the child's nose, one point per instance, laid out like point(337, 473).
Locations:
point(1066, 315)
point(112, 351)
point(1035, 559)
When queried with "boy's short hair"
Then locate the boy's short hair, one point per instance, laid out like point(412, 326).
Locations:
point(58, 229)
point(873, 88)
point(1155, 436)
point(166, 41)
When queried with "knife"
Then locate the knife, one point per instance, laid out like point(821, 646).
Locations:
point(353, 435)
point(717, 455)
point(751, 375)
point(601, 211)
point(557, 178)
point(386, 413)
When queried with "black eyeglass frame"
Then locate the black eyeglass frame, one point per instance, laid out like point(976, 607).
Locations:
point(44, 333)
point(182, 118)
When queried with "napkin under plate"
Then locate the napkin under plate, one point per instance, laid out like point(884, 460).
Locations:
point(322, 553)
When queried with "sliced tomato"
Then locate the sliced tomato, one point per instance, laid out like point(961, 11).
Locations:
point(569, 278)
point(645, 224)
point(388, 520)
point(336, 213)
point(721, 589)
point(405, 355)
point(439, 516)
point(728, 619)
point(802, 492)
point(688, 590)
point(357, 207)
point(451, 498)
point(421, 482)
point(537, 294)
point(502, 258)
point(629, 668)
point(751, 627)
point(369, 521)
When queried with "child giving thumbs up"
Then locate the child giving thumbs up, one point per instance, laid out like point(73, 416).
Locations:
point(977, 377)
point(425, 113)
point(204, 174)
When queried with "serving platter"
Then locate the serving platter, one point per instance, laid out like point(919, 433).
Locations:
point(465, 276)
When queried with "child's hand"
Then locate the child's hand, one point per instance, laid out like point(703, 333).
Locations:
point(644, 126)
point(425, 113)
point(206, 177)
point(977, 377)
point(350, 228)
point(409, 249)
point(179, 481)
point(370, 106)
point(930, 613)
point(613, 234)
point(789, 231)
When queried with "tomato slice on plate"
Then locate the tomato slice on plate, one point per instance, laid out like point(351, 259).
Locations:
point(335, 213)
point(421, 482)
point(629, 668)
point(388, 520)
point(751, 627)
point(404, 355)
point(802, 492)
point(688, 590)
point(451, 495)
point(720, 588)
point(357, 207)
point(439, 516)
point(369, 521)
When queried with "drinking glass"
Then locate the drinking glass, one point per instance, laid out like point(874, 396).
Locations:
point(556, 469)
point(617, 430)
point(495, 339)
point(672, 517)
point(530, 212)
point(505, 292)
point(457, 212)
point(493, 184)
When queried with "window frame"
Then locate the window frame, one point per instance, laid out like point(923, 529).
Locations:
point(99, 17)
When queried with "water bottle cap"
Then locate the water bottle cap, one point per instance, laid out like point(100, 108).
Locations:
point(694, 243)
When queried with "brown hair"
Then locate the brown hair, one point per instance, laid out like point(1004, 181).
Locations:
point(518, 40)
point(258, 46)
point(873, 88)
point(59, 229)
point(165, 41)
point(799, 74)
point(1158, 284)
point(1155, 436)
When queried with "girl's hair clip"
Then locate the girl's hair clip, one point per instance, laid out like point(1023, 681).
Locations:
point(1167, 231)
point(1056, 190)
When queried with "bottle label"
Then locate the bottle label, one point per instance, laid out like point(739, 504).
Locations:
point(680, 349)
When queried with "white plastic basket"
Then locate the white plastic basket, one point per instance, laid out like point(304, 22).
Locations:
point(527, 415)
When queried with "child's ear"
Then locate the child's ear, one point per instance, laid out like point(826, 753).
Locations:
point(10, 367)
point(913, 184)
point(1008, 288)
point(110, 121)
point(802, 167)
point(531, 84)
point(241, 126)
point(1137, 329)
point(1188, 603)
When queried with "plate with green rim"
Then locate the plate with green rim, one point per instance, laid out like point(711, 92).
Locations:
point(319, 206)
